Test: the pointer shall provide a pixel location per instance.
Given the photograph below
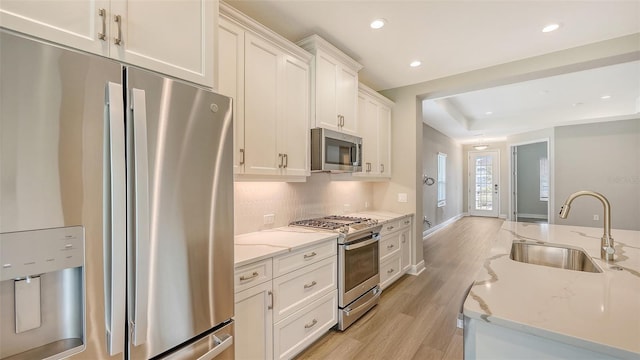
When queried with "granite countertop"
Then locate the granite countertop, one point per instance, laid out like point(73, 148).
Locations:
point(264, 244)
point(596, 311)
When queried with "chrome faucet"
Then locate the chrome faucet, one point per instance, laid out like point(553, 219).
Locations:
point(606, 242)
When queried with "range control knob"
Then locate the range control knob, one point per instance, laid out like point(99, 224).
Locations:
point(344, 229)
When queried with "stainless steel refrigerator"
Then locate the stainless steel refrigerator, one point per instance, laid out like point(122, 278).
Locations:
point(140, 166)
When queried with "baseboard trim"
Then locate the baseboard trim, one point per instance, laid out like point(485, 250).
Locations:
point(502, 216)
point(532, 216)
point(417, 269)
point(433, 230)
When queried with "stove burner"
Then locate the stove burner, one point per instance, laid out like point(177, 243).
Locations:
point(336, 222)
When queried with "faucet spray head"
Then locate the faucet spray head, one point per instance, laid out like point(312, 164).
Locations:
point(564, 211)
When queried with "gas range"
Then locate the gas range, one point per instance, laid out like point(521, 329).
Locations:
point(349, 227)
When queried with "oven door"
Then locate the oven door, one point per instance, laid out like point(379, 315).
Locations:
point(358, 269)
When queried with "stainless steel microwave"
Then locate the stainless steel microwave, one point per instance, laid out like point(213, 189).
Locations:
point(335, 152)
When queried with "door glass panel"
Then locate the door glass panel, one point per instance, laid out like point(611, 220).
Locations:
point(360, 265)
point(484, 182)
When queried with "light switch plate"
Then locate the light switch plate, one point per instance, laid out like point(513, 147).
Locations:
point(402, 197)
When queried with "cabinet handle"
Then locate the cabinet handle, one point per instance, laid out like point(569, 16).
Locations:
point(103, 14)
point(390, 227)
point(381, 168)
point(311, 324)
point(407, 222)
point(243, 278)
point(338, 120)
point(270, 293)
point(286, 160)
point(281, 161)
point(310, 285)
point(390, 271)
point(242, 153)
point(390, 246)
point(342, 120)
point(310, 255)
point(404, 239)
point(368, 167)
point(118, 39)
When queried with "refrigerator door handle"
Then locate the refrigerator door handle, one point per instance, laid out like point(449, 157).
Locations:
point(115, 219)
point(222, 342)
point(141, 224)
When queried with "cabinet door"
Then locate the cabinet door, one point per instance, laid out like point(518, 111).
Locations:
point(326, 96)
point(172, 37)
point(294, 124)
point(254, 323)
point(75, 24)
point(384, 140)
point(368, 114)
point(231, 82)
point(347, 100)
point(405, 246)
point(262, 67)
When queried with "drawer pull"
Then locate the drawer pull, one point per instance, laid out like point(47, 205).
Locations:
point(270, 293)
point(390, 227)
point(308, 256)
point(310, 285)
point(390, 271)
point(311, 324)
point(254, 275)
point(390, 246)
point(407, 222)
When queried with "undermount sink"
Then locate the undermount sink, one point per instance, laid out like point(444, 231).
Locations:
point(553, 255)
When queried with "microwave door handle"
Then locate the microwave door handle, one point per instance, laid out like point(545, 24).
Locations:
point(115, 222)
point(360, 244)
point(141, 213)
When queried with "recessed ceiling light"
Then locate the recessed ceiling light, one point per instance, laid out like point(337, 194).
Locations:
point(550, 28)
point(605, 97)
point(377, 23)
point(488, 113)
point(415, 63)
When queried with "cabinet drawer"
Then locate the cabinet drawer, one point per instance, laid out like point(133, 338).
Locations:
point(390, 227)
point(390, 270)
point(252, 274)
point(305, 256)
point(295, 290)
point(404, 222)
point(390, 244)
point(296, 332)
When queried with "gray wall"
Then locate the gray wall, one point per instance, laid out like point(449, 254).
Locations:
point(529, 180)
point(603, 157)
point(432, 143)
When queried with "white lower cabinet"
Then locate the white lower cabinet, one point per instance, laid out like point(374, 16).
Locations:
point(296, 332)
point(254, 323)
point(395, 250)
point(284, 303)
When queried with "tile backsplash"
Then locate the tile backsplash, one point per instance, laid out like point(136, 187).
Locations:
point(295, 201)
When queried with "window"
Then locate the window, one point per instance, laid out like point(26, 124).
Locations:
point(442, 179)
point(544, 179)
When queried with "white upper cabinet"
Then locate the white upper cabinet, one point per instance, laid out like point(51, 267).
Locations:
point(269, 79)
point(334, 87)
point(176, 38)
point(374, 115)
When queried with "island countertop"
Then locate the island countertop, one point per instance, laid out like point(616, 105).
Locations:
point(596, 311)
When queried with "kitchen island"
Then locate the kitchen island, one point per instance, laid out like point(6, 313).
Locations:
point(522, 310)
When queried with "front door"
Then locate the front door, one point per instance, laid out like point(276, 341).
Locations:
point(484, 176)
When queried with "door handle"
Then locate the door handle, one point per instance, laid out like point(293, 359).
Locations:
point(141, 213)
point(118, 20)
point(103, 14)
point(115, 226)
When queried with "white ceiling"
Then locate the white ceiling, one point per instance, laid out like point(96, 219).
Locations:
point(452, 37)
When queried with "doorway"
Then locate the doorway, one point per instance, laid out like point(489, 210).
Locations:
point(530, 182)
point(484, 183)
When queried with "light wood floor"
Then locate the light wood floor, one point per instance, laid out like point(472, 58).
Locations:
point(416, 317)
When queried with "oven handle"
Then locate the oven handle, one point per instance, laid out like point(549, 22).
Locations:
point(361, 244)
point(376, 294)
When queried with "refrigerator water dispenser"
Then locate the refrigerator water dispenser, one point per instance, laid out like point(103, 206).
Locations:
point(42, 299)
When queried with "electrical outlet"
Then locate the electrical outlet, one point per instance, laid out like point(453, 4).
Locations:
point(269, 219)
point(402, 197)
point(596, 217)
